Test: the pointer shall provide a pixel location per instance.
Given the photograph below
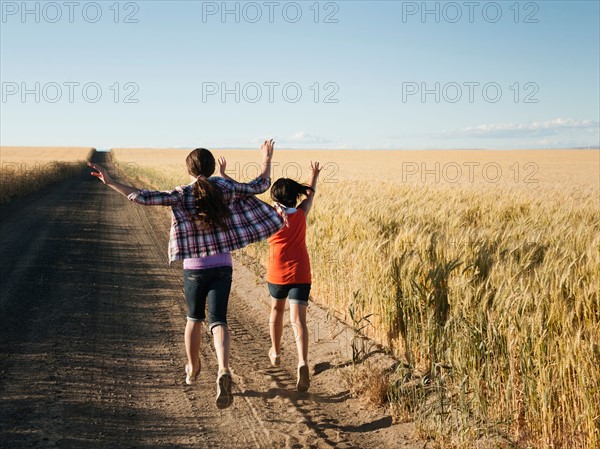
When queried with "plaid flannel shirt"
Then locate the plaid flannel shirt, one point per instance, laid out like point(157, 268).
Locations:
point(251, 219)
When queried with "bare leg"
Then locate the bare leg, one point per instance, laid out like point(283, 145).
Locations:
point(276, 325)
point(193, 339)
point(221, 339)
point(298, 320)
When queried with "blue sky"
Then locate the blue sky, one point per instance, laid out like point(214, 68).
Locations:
point(346, 74)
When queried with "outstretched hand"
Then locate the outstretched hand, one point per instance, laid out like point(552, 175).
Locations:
point(266, 149)
point(306, 204)
point(101, 173)
point(222, 166)
point(315, 168)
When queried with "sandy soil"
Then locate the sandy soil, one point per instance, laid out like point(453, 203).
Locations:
point(91, 351)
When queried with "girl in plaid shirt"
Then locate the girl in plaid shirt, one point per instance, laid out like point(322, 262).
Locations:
point(211, 217)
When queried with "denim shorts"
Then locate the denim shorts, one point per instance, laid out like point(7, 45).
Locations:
point(297, 293)
point(210, 285)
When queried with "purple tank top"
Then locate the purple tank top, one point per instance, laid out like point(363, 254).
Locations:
point(201, 263)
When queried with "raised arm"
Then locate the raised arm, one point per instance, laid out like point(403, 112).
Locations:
point(103, 176)
point(307, 203)
point(266, 150)
point(258, 185)
point(140, 196)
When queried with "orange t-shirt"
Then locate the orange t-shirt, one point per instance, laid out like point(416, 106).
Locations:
point(288, 257)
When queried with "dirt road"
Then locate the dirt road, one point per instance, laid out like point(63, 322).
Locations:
point(91, 352)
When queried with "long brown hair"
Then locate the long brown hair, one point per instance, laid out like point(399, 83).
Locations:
point(212, 210)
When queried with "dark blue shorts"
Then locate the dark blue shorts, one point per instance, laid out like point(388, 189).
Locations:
point(212, 286)
point(297, 293)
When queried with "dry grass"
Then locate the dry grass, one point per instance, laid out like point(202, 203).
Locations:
point(368, 381)
point(27, 169)
point(488, 286)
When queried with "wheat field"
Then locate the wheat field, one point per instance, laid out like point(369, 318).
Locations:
point(479, 269)
point(26, 169)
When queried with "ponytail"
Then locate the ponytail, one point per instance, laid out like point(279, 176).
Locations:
point(212, 210)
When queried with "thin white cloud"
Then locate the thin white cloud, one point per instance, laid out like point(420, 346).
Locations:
point(302, 137)
point(519, 130)
point(299, 138)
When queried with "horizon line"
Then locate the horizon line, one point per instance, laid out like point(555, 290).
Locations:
point(102, 148)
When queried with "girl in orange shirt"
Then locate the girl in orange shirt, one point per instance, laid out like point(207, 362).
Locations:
point(288, 269)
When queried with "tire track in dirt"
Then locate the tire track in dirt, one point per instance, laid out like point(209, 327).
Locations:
point(87, 355)
point(91, 352)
